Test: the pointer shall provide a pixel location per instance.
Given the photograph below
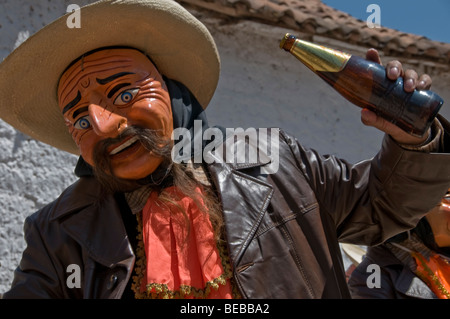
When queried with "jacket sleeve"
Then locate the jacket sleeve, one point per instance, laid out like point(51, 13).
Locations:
point(373, 200)
point(36, 276)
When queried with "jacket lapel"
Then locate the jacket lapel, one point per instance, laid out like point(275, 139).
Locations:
point(95, 222)
point(242, 208)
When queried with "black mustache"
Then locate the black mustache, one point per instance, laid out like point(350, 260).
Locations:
point(150, 139)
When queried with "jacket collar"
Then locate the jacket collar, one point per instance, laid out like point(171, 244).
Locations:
point(83, 193)
point(107, 245)
point(411, 285)
point(407, 282)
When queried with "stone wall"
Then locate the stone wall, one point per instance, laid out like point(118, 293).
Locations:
point(260, 86)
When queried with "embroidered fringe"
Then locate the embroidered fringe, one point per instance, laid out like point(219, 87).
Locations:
point(161, 291)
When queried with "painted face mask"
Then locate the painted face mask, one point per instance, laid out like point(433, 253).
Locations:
point(107, 98)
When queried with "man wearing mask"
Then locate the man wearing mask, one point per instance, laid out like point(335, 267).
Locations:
point(140, 223)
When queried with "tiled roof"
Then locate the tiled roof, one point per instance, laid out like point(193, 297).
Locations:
point(315, 17)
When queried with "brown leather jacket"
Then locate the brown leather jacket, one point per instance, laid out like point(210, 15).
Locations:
point(282, 228)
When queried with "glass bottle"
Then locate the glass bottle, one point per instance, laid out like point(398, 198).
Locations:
point(365, 84)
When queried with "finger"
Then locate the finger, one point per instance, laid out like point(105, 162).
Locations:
point(394, 70)
point(410, 80)
point(369, 118)
point(424, 82)
point(372, 55)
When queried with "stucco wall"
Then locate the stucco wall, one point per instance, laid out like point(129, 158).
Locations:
point(260, 86)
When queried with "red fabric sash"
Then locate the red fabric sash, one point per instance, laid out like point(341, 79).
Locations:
point(183, 260)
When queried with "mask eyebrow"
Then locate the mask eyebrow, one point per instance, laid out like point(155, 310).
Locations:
point(72, 103)
point(79, 111)
point(117, 88)
point(112, 77)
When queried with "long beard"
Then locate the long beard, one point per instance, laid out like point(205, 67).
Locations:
point(150, 140)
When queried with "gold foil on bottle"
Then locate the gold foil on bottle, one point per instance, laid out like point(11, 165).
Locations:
point(316, 57)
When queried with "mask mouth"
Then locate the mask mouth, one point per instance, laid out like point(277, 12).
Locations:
point(125, 145)
point(150, 139)
point(109, 148)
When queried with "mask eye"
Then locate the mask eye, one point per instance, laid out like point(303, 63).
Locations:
point(446, 198)
point(82, 123)
point(125, 97)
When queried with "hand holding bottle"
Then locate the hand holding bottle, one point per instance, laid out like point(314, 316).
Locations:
point(411, 82)
point(395, 101)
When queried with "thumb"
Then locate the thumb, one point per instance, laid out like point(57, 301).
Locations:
point(372, 55)
point(369, 118)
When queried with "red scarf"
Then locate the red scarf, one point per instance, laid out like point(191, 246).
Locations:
point(182, 259)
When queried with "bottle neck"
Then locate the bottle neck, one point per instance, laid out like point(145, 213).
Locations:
point(316, 57)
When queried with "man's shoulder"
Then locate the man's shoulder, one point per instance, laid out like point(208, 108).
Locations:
point(81, 193)
point(252, 147)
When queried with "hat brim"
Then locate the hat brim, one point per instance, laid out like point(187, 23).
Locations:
point(180, 46)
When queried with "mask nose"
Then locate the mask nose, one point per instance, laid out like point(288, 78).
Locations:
point(106, 123)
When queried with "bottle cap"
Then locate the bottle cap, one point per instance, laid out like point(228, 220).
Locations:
point(287, 42)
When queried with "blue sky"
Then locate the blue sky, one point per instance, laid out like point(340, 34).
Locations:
point(429, 18)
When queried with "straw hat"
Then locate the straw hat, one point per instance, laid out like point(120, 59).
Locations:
point(179, 44)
